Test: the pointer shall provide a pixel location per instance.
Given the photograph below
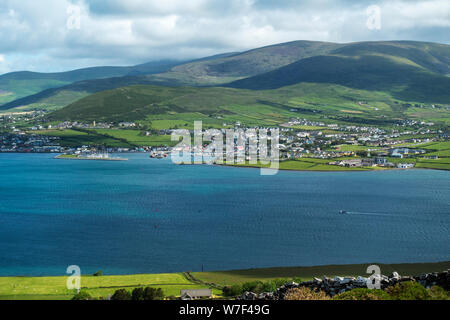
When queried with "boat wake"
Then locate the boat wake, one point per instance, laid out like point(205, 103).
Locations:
point(368, 213)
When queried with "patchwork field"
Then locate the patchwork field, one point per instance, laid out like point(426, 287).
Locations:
point(136, 137)
point(168, 108)
point(76, 138)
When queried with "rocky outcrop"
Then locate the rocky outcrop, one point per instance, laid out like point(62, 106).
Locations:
point(337, 285)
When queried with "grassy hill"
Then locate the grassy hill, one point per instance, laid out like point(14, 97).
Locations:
point(25, 83)
point(406, 74)
point(249, 63)
point(177, 107)
point(67, 94)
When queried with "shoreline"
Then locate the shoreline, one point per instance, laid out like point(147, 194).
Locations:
point(60, 157)
point(365, 169)
point(334, 171)
point(270, 270)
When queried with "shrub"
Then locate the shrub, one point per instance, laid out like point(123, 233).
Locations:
point(121, 294)
point(153, 294)
point(281, 282)
point(137, 294)
point(99, 273)
point(254, 286)
point(82, 295)
point(408, 291)
point(305, 293)
point(270, 286)
point(232, 291)
point(438, 293)
point(363, 294)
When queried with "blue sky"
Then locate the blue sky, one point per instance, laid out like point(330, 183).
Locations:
point(58, 35)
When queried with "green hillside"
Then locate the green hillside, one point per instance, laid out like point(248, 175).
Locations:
point(178, 107)
point(64, 95)
point(401, 77)
point(23, 84)
point(434, 57)
point(252, 62)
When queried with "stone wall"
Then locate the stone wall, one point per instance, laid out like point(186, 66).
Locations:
point(337, 285)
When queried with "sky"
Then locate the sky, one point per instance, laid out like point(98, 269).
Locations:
point(60, 35)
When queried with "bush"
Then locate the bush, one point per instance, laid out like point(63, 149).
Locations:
point(363, 294)
point(99, 273)
point(82, 295)
point(305, 293)
point(408, 291)
point(438, 293)
point(270, 286)
point(232, 291)
point(153, 294)
point(121, 294)
point(137, 294)
point(254, 286)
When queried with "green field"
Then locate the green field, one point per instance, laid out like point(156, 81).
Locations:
point(440, 149)
point(54, 288)
point(77, 138)
point(169, 108)
point(306, 164)
point(136, 137)
point(108, 137)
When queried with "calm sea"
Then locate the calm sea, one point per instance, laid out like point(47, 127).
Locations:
point(150, 216)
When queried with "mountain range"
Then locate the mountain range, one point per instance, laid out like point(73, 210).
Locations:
point(394, 72)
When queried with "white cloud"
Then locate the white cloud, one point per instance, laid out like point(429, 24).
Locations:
point(35, 34)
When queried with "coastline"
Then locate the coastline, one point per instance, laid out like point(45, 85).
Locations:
point(335, 171)
point(301, 271)
point(339, 169)
point(61, 157)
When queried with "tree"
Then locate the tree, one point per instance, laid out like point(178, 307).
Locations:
point(232, 291)
point(82, 295)
point(138, 294)
point(99, 273)
point(153, 294)
point(121, 294)
point(362, 153)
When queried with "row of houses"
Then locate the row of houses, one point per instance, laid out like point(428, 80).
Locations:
point(371, 162)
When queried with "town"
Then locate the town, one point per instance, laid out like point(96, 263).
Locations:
point(346, 146)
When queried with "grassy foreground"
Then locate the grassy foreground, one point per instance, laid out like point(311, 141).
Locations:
point(54, 288)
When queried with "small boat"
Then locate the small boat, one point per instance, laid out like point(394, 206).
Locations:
point(159, 155)
point(343, 212)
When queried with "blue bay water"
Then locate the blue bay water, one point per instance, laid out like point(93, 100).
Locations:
point(151, 216)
